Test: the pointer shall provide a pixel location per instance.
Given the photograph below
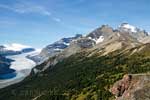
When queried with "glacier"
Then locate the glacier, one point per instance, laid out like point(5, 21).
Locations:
point(22, 65)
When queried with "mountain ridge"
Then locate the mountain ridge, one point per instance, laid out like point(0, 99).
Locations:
point(86, 69)
point(97, 36)
point(110, 40)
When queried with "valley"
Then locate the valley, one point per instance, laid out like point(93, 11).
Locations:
point(98, 66)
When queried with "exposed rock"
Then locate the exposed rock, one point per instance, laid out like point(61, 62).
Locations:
point(103, 32)
point(132, 87)
point(74, 47)
point(145, 40)
point(53, 49)
point(121, 86)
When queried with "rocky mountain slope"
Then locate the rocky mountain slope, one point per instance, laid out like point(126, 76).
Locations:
point(124, 35)
point(88, 68)
point(53, 49)
point(103, 40)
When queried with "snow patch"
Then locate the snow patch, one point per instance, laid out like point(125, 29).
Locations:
point(90, 38)
point(57, 49)
point(38, 50)
point(100, 39)
point(66, 43)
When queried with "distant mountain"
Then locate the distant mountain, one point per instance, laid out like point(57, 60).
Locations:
point(13, 49)
point(53, 49)
point(58, 46)
point(133, 31)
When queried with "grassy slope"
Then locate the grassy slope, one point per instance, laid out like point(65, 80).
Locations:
point(80, 77)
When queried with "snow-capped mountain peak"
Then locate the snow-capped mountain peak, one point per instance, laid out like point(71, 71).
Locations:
point(15, 46)
point(128, 27)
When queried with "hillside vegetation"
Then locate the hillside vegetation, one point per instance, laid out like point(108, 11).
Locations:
point(81, 77)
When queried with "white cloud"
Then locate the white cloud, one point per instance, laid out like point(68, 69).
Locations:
point(57, 19)
point(27, 8)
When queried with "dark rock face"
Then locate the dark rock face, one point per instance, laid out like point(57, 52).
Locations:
point(85, 43)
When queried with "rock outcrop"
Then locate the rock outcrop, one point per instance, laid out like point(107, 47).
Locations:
point(132, 87)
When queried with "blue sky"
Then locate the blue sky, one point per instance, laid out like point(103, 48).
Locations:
point(41, 22)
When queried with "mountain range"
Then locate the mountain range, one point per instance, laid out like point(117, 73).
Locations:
point(86, 67)
point(53, 49)
point(14, 48)
point(104, 39)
